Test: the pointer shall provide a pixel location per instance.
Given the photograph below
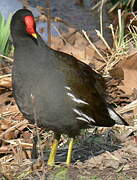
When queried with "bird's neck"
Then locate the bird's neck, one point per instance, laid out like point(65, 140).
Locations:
point(24, 41)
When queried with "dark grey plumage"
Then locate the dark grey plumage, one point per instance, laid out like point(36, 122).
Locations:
point(66, 93)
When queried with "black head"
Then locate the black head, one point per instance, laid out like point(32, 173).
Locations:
point(23, 24)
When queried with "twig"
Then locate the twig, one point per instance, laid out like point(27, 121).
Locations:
point(8, 58)
point(113, 35)
point(98, 4)
point(36, 125)
point(132, 3)
point(59, 33)
point(104, 41)
point(25, 122)
point(94, 47)
point(128, 107)
point(101, 17)
point(114, 157)
point(6, 75)
point(49, 23)
point(114, 7)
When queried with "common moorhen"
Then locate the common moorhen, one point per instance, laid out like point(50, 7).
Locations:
point(63, 91)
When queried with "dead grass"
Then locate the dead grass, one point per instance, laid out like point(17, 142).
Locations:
point(93, 154)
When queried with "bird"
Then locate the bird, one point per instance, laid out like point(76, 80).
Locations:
point(62, 93)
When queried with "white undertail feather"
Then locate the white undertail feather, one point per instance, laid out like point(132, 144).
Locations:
point(77, 100)
point(68, 88)
point(83, 116)
point(115, 116)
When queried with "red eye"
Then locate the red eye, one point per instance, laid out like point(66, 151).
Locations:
point(30, 24)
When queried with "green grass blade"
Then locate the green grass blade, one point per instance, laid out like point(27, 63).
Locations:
point(4, 34)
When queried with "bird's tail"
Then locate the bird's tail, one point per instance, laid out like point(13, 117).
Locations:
point(116, 117)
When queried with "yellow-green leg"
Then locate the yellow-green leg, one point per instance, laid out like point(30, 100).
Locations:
point(52, 156)
point(69, 155)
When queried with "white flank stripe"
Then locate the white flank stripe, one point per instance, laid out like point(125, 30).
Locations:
point(113, 115)
point(87, 117)
point(76, 111)
point(76, 99)
point(82, 119)
point(68, 88)
point(83, 116)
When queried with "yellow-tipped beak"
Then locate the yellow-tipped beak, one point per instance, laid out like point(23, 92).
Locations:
point(34, 35)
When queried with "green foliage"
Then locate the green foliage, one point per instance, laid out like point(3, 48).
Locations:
point(133, 35)
point(60, 174)
point(121, 29)
point(124, 4)
point(89, 178)
point(4, 35)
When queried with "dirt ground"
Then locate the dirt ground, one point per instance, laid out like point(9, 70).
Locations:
point(103, 153)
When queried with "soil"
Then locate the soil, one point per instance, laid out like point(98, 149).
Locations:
point(105, 153)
